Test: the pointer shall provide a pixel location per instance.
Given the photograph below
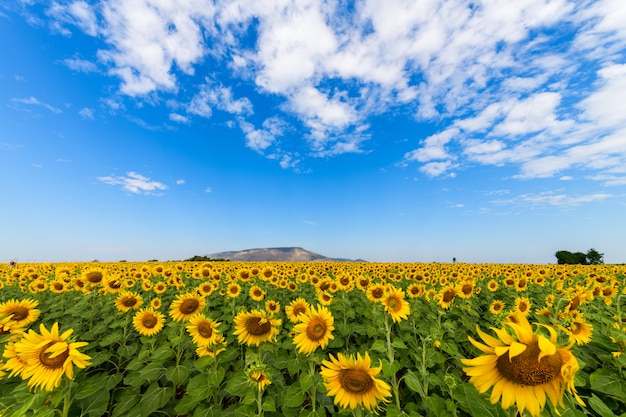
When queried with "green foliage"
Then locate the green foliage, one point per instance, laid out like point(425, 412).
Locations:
point(592, 257)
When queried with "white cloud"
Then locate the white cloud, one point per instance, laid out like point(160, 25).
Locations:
point(550, 198)
point(86, 113)
point(80, 65)
point(208, 190)
point(178, 118)
point(504, 80)
point(35, 102)
point(180, 181)
point(134, 183)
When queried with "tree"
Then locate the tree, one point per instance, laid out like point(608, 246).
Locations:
point(594, 257)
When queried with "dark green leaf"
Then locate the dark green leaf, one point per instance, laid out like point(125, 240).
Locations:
point(154, 398)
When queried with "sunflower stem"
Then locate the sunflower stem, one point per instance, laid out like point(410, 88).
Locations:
point(67, 400)
point(313, 391)
point(390, 355)
point(259, 402)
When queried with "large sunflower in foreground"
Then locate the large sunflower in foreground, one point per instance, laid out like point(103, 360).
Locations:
point(255, 327)
point(48, 356)
point(148, 321)
point(22, 312)
point(522, 367)
point(314, 331)
point(352, 382)
point(185, 306)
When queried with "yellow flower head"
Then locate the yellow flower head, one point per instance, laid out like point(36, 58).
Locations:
point(353, 383)
point(522, 368)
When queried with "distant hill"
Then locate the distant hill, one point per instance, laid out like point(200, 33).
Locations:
point(288, 254)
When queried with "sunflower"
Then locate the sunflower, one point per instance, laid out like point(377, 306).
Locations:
point(466, 289)
point(254, 327)
point(416, 290)
point(233, 290)
point(185, 306)
point(9, 329)
point(256, 293)
point(258, 376)
point(272, 307)
point(159, 287)
point(492, 285)
point(522, 367)
point(579, 331)
point(156, 303)
point(314, 331)
point(297, 309)
point(23, 312)
point(352, 382)
point(375, 292)
point(148, 321)
point(48, 356)
point(446, 296)
point(202, 329)
point(395, 304)
point(497, 307)
point(213, 349)
point(128, 300)
point(522, 305)
point(324, 298)
point(94, 276)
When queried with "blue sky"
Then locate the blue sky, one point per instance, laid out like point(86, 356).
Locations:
point(413, 131)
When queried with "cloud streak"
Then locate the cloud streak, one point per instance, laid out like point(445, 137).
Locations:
point(134, 183)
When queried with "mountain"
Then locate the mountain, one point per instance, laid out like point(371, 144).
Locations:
point(288, 254)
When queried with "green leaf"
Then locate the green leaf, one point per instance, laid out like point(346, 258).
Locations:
point(608, 382)
point(238, 384)
point(479, 406)
point(154, 398)
point(178, 374)
point(197, 387)
point(398, 343)
point(111, 338)
point(162, 354)
point(413, 382)
point(294, 397)
point(95, 405)
point(306, 381)
point(599, 407)
point(127, 401)
point(152, 372)
point(379, 346)
point(269, 404)
point(216, 378)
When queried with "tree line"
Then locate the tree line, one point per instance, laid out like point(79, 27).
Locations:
point(592, 257)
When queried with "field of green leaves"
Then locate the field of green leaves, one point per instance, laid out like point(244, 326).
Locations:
point(311, 339)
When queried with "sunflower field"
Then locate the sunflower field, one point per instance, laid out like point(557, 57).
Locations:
point(200, 339)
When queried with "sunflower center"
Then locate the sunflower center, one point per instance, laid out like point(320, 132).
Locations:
point(448, 296)
point(393, 303)
point(52, 363)
point(299, 310)
point(377, 293)
point(525, 369)
point(467, 289)
point(19, 313)
point(94, 277)
point(356, 381)
point(316, 329)
point(205, 330)
point(149, 321)
point(129, 302)
point(189, 306)
point(257, 326)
